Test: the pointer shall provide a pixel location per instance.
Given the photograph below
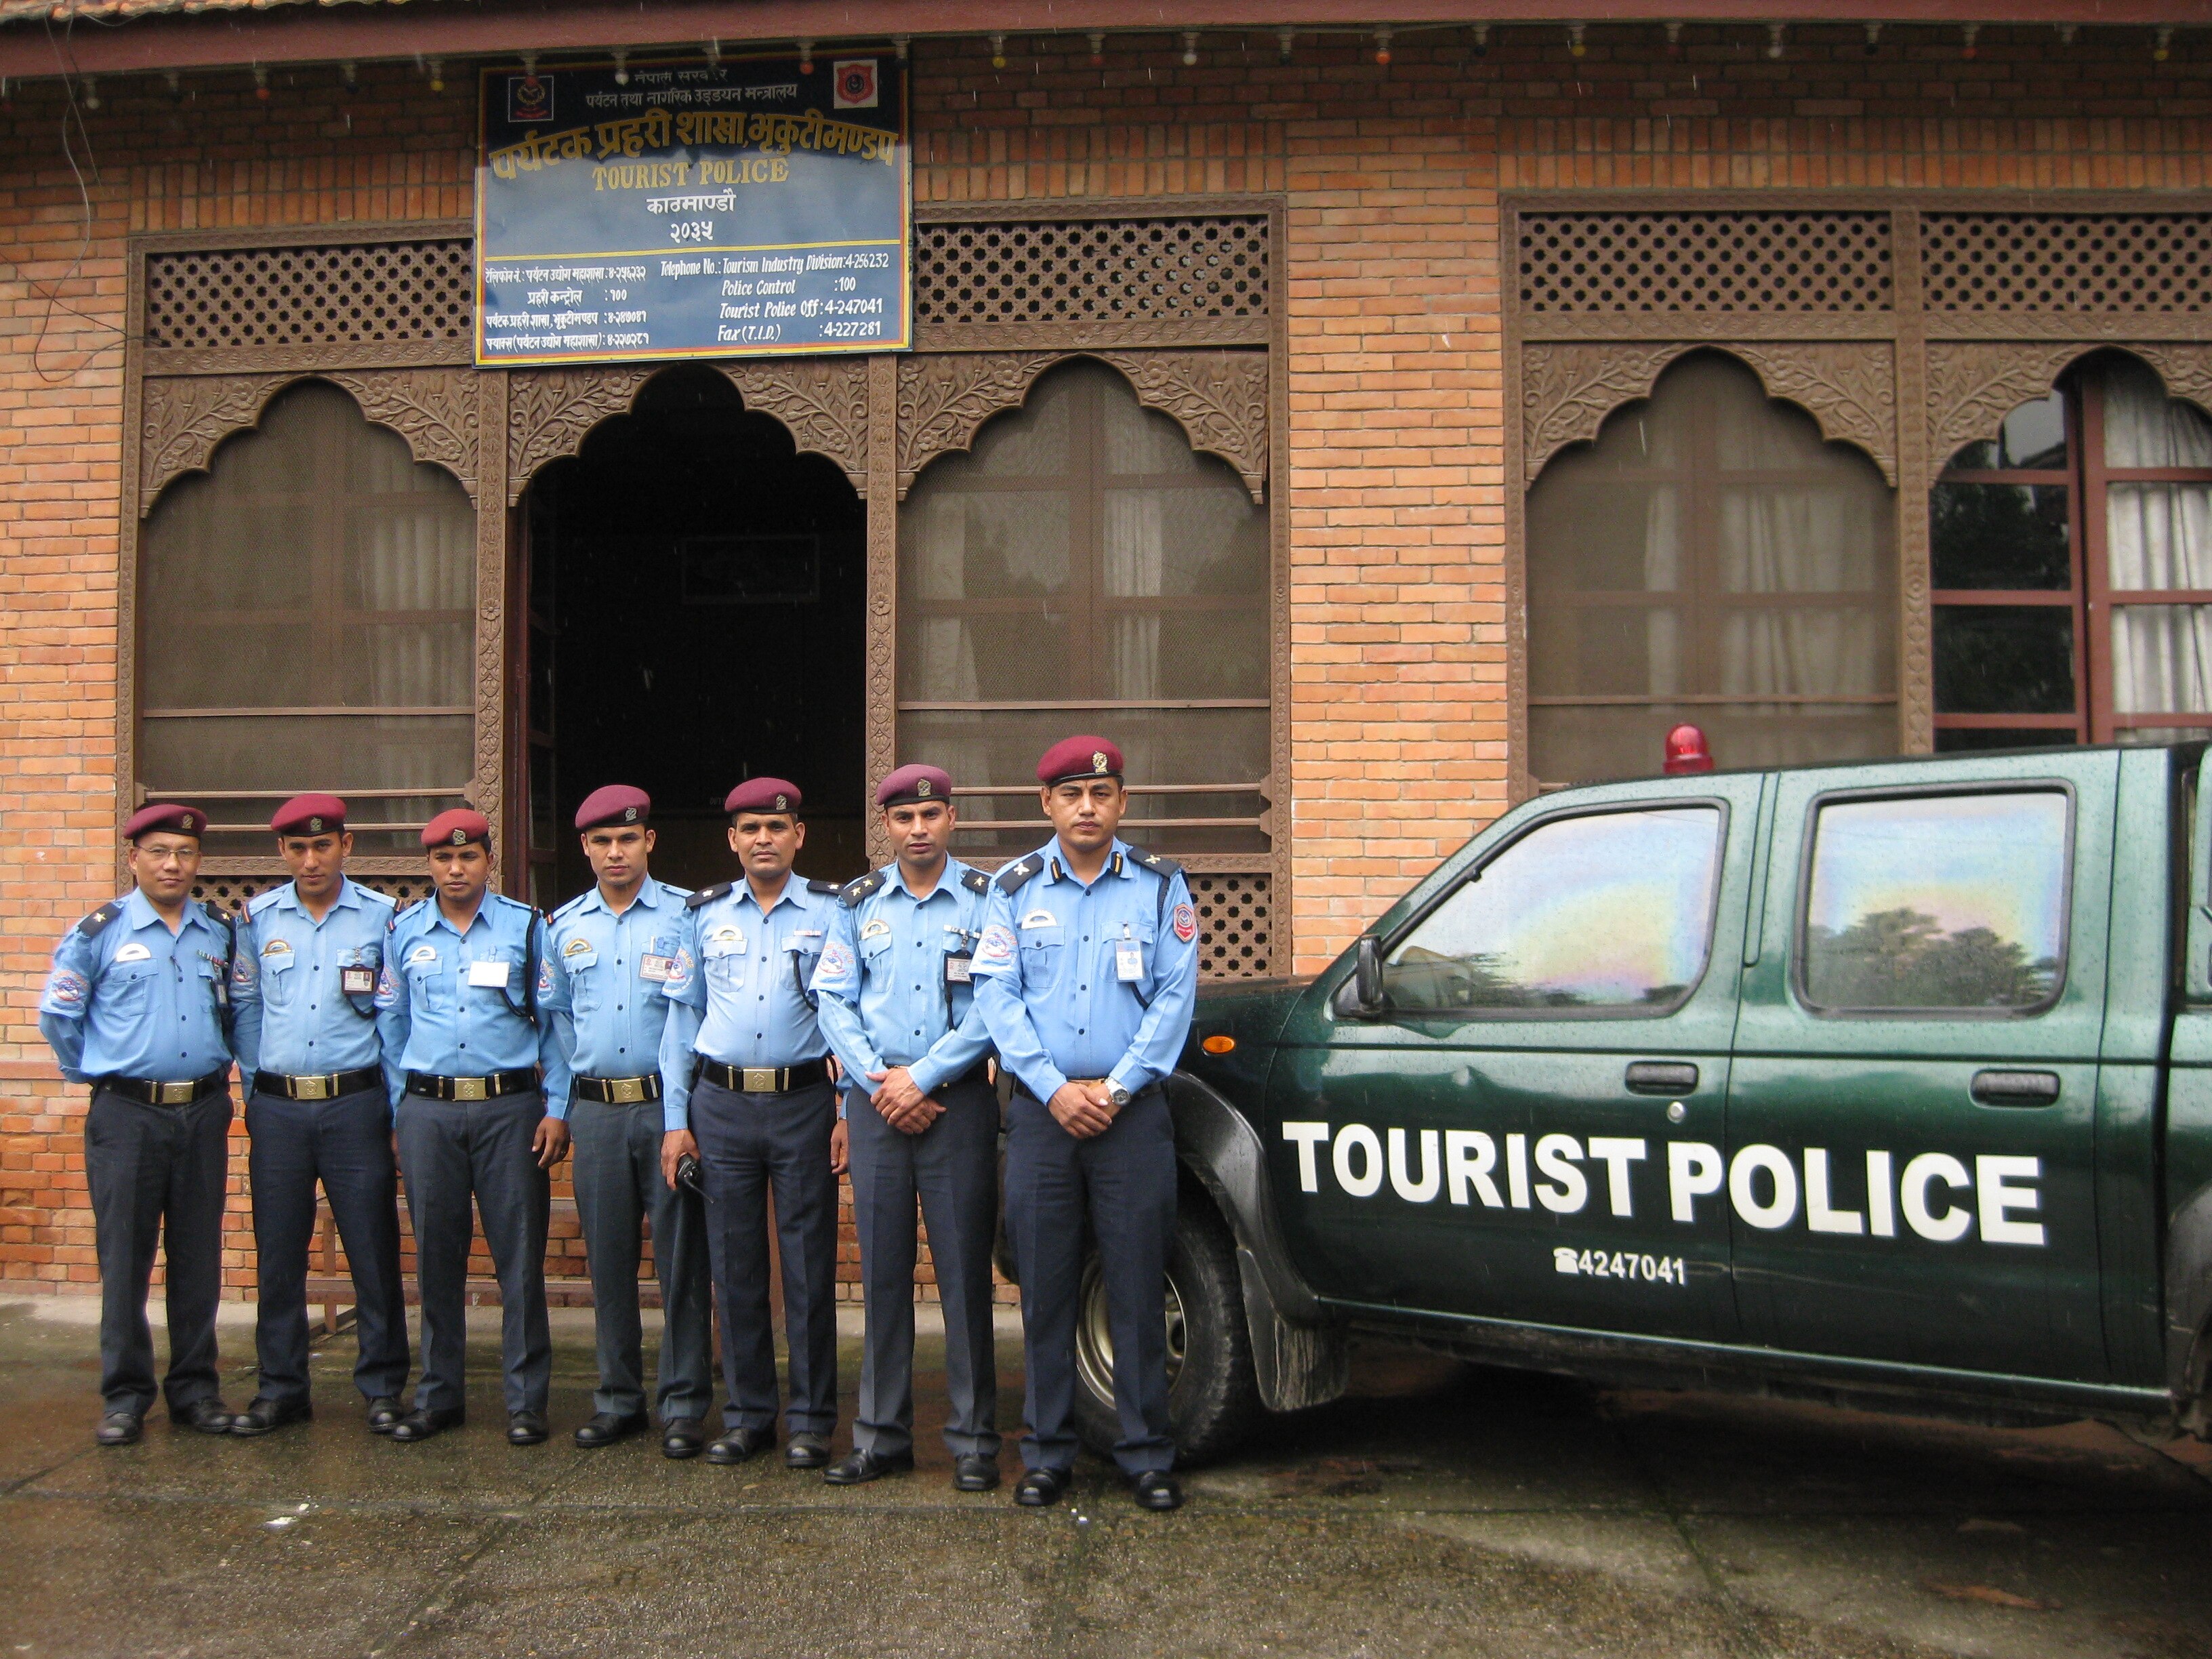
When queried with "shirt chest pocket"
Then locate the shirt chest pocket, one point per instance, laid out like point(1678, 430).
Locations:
point(1125, 957)
point(586, 980)
point(126, 990)
point(279, 978)
point(875, 953)
point(429, 982)
point(725, 963)
point(1044, 948)
point(490, 977)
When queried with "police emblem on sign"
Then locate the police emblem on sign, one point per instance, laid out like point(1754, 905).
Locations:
point(852, 81)
point(529, 98)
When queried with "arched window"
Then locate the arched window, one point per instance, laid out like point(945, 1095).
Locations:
point(1710, 559)
point(305, 623)
point(2071, 554)
point(1083, 569)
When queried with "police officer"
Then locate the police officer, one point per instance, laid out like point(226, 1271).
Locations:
point(749, 1092)
point(608, 952)
point(898, 1006)
point(1086, 973)
point(136, 1006)
point(304, 1000)
point(464, 1042)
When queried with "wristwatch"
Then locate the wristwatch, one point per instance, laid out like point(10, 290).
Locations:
point(1118, 1095)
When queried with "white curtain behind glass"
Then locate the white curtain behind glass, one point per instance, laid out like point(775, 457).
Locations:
point(2160, 536)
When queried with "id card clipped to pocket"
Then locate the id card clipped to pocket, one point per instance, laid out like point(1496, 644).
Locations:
point(1128, 958)
point(491, 973)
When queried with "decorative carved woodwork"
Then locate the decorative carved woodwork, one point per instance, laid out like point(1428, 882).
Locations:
point(944, 401)
point(2186, 370)
point(1704, 259)
point(436, 410)
point(550, 409)
point(1971, 387)
point(880, 742)
point(374, 292)
point(1848, 386)
point(487, 790)
point(185, 419)
point(822, 402)
point(1568, 390)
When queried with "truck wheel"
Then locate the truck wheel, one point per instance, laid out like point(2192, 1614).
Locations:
point(1213, 1399)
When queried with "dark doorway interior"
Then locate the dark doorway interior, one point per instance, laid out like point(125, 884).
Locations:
point(697, 606)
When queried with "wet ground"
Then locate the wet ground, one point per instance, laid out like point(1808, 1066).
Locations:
point(1438, 1511)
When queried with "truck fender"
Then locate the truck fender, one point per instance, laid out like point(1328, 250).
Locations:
point(1298, 1358)
point(2189, 1298)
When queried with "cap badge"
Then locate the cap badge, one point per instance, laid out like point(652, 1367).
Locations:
point(921, 787)
point(1098, 760)
point(630, 815)
point(315, 826)
point(783, 803)
point(190, 821)
point(459, 838)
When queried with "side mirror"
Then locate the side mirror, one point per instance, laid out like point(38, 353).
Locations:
point(1365, 984)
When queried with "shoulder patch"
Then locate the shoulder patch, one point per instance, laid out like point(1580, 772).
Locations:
point(98, 919)
point(813, 886)
point(1017, 875)
point(976, 881)
point(853, 891)
point(1162, 867)
point(707, 895)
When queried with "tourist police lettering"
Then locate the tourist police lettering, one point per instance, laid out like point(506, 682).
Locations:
point(1763, 1182)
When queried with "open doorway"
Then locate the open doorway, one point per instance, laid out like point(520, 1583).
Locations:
point(696, 613)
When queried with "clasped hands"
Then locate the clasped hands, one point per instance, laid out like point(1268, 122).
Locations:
point(1084, 1106)
point(900, 1103)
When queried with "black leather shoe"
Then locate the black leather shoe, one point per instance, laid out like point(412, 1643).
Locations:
point(860, 1466)
point(120, 1429)
point(1156, 1489)
point(975, 1474)
point(421, 1425)
point(209, 1416)
point(383, 1413)
point(806, 1451)
point(739, 1445)
point(526, 1428)
point(262, 1414)
point(1040, 1489)
point(603, 1429)
point(680, 1437)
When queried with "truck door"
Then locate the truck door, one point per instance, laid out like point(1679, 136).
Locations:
point(1557, 1003)
point(1912, 1106)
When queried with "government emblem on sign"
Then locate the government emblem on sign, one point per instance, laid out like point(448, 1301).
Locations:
point(854, 80)
point(529, 97)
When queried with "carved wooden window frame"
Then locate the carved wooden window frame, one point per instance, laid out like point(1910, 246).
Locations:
point(1907, 384)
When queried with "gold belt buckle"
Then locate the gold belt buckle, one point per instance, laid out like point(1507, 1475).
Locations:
point(626, 1091)
point(312, 1088)
point(470, 1088)
point(177, 1094)
point(759, 1079)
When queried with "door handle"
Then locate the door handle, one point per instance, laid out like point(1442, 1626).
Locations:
point(1995, 1088)
point(1662, 1077)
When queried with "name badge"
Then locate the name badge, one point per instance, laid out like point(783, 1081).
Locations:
point(1128, 959)
point(356, 981)
point(658, 969)
point(958, 970)
point(493, 973)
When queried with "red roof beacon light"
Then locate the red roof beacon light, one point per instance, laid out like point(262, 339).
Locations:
point(1687, 750)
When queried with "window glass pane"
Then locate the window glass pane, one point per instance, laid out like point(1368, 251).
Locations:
point(1774, 551)
point(2003, 659)
point(1952, 740)
point(2162, 660)
point(1943, 902)
point(1590, 744)
point(2145, 427)
point(1609, 911)
point(2032, 439)
point(2160, 535)
point(1993, 535)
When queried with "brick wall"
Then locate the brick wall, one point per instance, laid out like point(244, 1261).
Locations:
point(1396, 494)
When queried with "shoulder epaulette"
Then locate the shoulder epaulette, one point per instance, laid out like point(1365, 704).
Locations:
point(572, 904)
point(1015, 875)
point(814, 886)
point(520, 904)
point(707, 895)
point(405, 911)
point(100, 918)
point(680, 892)
point(853, 891)
point(376, 896)
point(263, 900)
point(1164, 868)
point(215, 913)
point(976, 881)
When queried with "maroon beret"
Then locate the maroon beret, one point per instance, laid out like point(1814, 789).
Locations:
point(614, 803)
point(310, 814)
point(172, 815)
point(916, 783)
point(764, 795)
point(457, 829)
point(1079, 757)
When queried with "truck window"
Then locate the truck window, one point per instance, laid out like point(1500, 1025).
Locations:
point(1607, 911)
point(1937, 902)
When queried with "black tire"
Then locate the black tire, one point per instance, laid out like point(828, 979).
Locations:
point(1213, 1398)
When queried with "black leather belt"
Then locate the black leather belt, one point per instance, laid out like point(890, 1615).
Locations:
point(472, 1088)
point(147, 1091)
point(765, 1080)
point(619, 1091)
point(319, 1085)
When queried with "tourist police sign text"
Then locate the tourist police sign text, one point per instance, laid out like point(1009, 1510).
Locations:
point(692, 210)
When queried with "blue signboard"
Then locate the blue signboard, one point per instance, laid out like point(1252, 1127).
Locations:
point(684, 209)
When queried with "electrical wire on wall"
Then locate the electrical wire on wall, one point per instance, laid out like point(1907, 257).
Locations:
point(72, 117)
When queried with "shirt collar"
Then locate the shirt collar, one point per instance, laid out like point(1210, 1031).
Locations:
point(947, 879)
point(349, 896)
point(794, 884)
point(648, 894)
point(440, 919)
point(1118, 862)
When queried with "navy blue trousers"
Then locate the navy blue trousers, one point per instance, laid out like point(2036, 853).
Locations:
point(748, 1145)
point(346, 1144)
point(1123, 1183)
point(952, 1168)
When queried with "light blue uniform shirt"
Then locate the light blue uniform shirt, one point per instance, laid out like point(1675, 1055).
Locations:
point(606, 971)
point(434, 1019)
point(1048, 970)
point(291, 1010)
point(893, 988)
point(130, 999)
point(741, 995)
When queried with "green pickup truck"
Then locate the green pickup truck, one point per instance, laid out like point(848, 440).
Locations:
point(1889, 1084)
